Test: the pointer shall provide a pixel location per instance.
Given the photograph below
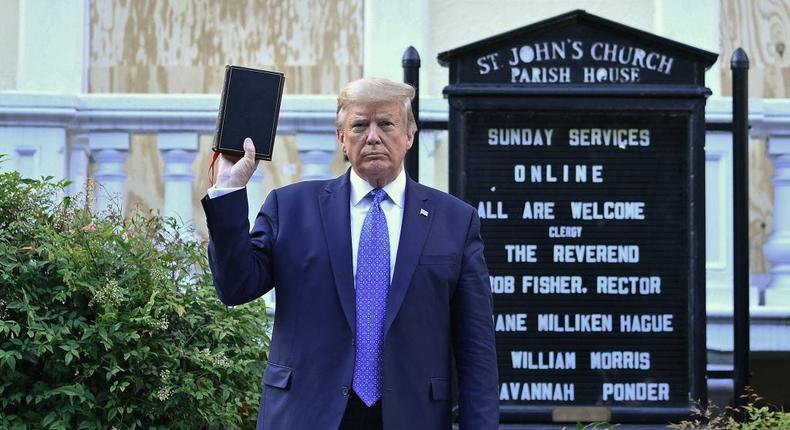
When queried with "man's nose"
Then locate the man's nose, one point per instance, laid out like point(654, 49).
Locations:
point(373, 134)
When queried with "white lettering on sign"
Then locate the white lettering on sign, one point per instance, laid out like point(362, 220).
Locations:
point(608, 210)
point(619, 137)
point(599, 75)
point(565, 231)
point(565, 173)
point(643, 391)
point(624, 285)
point(596, 253)
point(519, 173)
point(542, 51)
point(543, 360)
point(537, 391)
point(630, 56)
point(639, 323)
point(575, 323)
point(617, 63)
point(510, 322)
point(488, 63)
point(520, 136)
point(538, 210)
point(491, 210)
point(608, 360)
point(540, 75)
point(502, 284)
point(552, 285)
point(521, 253)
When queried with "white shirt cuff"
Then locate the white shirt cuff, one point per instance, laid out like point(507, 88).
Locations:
point(215, 192)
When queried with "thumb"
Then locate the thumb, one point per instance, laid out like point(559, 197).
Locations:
point(249, 149)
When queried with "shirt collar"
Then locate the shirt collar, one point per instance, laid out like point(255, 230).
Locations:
point(396, 190)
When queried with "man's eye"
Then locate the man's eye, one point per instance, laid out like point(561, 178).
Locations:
point(357, 127)
point(386, 124)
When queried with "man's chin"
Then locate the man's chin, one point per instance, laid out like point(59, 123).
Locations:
point(376, 171)
point(376, 166)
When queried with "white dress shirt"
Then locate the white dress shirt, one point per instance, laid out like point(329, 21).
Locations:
point(392, 207)
point(393, 211)
point(215, 192)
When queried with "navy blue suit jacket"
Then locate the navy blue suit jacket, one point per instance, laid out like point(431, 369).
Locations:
point(438, 308)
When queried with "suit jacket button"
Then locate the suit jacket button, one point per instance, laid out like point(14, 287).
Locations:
point(345, 390)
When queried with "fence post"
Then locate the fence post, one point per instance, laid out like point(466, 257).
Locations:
point(411, 76)
point(740, 155)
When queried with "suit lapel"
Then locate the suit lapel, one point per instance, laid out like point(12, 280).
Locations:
point(414, 231)
point(336, 218)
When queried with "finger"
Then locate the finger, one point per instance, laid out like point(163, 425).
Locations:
point(225, 164)
point(223, 169)
point(249, 149)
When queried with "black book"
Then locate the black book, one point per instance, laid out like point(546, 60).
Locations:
point(249, 107)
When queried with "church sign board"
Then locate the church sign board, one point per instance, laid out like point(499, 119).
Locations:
point(581, 143)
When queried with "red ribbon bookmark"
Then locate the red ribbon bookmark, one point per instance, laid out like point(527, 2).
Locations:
point(211, 169)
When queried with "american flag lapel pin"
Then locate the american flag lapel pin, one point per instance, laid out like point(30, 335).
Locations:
point(423, 212)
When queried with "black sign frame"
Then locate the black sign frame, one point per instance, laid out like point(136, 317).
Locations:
point(685, 97)
point(693, 108)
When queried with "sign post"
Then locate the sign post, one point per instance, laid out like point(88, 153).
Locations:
point(581, 143)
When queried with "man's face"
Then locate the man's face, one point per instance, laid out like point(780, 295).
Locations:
point(375, 138)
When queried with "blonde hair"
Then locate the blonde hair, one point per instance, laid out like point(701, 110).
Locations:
point(376, 90)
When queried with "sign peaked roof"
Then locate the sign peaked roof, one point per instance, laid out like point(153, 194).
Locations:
point(581, 17)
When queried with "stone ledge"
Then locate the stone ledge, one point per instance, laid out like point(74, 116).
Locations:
point(769, 329)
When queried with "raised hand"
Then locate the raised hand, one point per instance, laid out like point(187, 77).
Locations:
point(235, 171)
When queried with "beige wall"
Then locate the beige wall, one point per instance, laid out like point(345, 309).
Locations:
point(182, 46)
point(762, 29)
point(9, 43)
point(761, 204)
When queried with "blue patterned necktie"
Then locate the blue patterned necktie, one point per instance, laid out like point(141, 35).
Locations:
point(372, 284)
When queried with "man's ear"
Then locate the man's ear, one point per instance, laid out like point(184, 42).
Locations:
point(341, 139)
point(411, 139)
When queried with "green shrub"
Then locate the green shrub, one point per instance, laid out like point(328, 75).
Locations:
point(108, 322)
point(755, 415)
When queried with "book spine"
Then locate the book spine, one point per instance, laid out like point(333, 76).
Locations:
point(221, 112)
point(268, 156)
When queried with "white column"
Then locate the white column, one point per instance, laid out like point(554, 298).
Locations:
point(316, 151)
point(255, 194)
point(109, 151)
point(178, 152)
point(78, 159)
point(254, 202)
point(777, 247)
point(33, 151)
point(718, 222)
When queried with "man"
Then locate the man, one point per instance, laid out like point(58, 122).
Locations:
point(380, 283)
